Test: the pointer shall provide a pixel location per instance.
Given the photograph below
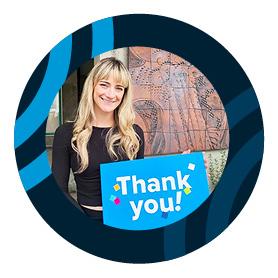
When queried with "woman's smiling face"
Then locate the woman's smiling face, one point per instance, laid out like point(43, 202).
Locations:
point(108, 95)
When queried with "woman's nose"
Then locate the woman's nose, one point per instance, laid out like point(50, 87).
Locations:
point(111, 92)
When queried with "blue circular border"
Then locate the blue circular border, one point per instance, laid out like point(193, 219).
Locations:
point(245, 151)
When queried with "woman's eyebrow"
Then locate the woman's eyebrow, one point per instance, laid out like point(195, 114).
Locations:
point(107, 82)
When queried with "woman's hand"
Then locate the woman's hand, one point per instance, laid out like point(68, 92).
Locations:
point(206, 165)
point(187, 152)
point(205, 161)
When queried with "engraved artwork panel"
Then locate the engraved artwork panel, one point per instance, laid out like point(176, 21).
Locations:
point(175, 104)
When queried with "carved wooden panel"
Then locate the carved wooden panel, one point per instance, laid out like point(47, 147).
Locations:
point(175, 104)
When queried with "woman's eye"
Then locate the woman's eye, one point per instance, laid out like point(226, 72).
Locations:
point(103, 85)
point(120, 88)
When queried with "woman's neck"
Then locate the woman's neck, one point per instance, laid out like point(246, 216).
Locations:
point(104, 120)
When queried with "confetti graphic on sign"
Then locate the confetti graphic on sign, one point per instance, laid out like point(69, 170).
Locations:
point(116, 187)
point(117, 201)
point(112, 198)
point(191, 166)
point(187, 190)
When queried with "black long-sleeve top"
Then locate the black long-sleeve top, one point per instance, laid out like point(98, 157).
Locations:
point(64, 158)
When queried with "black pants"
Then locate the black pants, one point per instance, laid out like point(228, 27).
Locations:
point(95, 214)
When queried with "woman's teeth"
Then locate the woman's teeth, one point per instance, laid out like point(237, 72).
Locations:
point(106, 100)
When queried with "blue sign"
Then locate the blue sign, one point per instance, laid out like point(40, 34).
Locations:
point(153, 192)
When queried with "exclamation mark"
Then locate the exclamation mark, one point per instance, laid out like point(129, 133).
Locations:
point(178, 201)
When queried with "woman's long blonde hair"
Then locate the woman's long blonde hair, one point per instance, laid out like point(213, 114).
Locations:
point(122, 134)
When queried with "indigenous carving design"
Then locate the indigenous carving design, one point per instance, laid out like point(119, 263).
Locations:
point(175, 104)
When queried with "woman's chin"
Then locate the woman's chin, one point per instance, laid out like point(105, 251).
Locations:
point(105, 109)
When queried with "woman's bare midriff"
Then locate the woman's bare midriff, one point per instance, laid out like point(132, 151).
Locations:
point(93, 208)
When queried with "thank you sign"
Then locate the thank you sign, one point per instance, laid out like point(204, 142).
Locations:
point(152, 192)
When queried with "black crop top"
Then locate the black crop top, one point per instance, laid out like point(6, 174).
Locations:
point(87, 182)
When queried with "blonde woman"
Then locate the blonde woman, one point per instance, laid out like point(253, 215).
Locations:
point(103, 131)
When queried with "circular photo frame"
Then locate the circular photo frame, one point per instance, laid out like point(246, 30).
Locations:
point(246, 138)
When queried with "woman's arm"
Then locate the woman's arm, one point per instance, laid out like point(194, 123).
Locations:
point(61, 158)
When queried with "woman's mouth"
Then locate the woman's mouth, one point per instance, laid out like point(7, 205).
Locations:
point(108, 100)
